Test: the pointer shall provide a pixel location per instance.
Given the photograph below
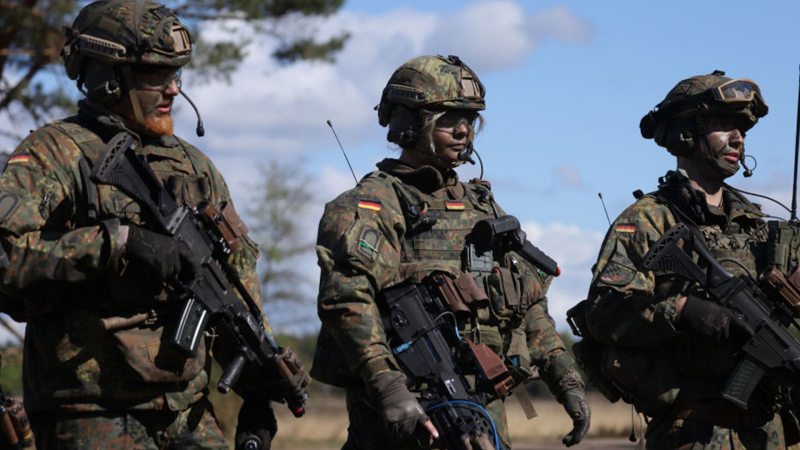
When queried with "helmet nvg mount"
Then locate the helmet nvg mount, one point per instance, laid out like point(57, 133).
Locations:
point(110, 36)
point(677, 124)
point(423, 86)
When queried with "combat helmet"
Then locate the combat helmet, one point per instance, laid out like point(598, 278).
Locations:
point(423, 86)
point(110, 36)
point(677, 122)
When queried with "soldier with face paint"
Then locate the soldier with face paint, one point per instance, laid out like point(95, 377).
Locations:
point(404, 221)
point(661, 342)
point(91, 272)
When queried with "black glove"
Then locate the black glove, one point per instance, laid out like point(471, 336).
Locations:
point(713, 321)
point(401, 411)
point(572, 397)
point(164, 255)
point(292, 390)
point(257, 425)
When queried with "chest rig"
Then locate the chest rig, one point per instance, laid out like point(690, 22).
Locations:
point(97, 202)
point(438, 237)
point(737, 238)
point(94, 203)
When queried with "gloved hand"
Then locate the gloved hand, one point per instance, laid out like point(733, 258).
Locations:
point(713, 321)
point(257, 425)
point(164, 255)
point(572, 397)
point(292, 390)
point(401, 411)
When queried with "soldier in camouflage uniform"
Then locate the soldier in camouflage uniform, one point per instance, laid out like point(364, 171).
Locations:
point(410, 217)
point(89, 274)
point(665, 346)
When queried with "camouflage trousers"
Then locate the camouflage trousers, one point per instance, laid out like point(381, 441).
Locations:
point(194, 428)
point(367, 430)
point(665, 433)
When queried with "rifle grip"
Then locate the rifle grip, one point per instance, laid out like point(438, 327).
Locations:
point(742, 382)
point(232, 372)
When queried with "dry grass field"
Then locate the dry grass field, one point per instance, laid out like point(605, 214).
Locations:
point(325, 425)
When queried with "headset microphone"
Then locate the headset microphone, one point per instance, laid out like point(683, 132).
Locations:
point(748, 172)
point(464, 155)
point(199, 130)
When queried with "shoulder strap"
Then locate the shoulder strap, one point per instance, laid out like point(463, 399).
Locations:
point(412, 210)
point(82, 136)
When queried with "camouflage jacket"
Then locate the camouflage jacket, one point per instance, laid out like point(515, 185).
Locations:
point(369, 240)
point(67, 265)
point(632, 310)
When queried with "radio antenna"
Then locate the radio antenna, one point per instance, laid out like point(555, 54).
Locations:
point(793, 219)
point(330, 124)
point(600, 194)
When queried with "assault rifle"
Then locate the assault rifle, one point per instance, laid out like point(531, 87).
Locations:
point(767, 306)
point(421, 328)
point(506, 231)
point(206, 231)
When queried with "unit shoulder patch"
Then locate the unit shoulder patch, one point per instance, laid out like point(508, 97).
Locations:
point(617, 274)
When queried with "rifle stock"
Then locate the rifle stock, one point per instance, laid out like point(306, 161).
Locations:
point(212, 292)
point(772, 348)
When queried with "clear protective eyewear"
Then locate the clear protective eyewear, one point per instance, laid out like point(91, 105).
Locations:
point(452, 121)
point(157, 79)
point(741, 91)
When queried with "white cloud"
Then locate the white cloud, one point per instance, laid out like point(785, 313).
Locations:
point(272, 109)
point(575, 249)
point(570, 176)
point(560, 23)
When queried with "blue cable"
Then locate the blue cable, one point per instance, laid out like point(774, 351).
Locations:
point(494, 428)
point(402, 347)
point(270, 339)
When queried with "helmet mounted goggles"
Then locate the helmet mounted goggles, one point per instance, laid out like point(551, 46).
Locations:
point(741, 93)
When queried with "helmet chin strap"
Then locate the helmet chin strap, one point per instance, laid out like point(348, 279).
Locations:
point(137, 108)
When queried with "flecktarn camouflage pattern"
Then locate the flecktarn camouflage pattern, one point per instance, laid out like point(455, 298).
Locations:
point(432, 82)
point(129, 32)
point(672, 375)
point(368, 240)
point(65, 250)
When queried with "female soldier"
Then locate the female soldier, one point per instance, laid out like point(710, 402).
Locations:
point(406, 221)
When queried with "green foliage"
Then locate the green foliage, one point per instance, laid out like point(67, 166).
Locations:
point(31, 42)
point(11, 370)
point(308, 49)
point(279, 199)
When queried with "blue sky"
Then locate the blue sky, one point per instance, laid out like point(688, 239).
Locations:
point(567, 83)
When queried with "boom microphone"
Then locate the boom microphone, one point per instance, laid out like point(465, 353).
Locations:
point(199, 130)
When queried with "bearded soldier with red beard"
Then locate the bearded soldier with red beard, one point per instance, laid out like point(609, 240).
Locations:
point(91, 272)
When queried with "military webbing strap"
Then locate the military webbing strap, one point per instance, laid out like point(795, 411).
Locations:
point(82, 136)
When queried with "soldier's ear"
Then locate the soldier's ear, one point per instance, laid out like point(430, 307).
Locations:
point(677, 136)
point(102, 83)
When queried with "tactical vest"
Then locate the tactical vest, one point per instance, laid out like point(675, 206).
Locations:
point(619, 372)
point(744, 246)
point(118, 299)
point(438, 235)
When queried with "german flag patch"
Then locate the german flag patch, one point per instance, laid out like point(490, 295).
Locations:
point(454, 206)
point(625, 228)
point(18, 159)
point(369, 205)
